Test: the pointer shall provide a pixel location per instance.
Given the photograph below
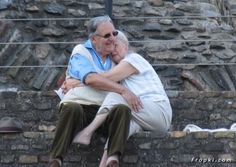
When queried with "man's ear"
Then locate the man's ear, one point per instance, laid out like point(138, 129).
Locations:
point(93, 39)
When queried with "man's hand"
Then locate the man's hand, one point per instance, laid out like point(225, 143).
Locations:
point(134, 102)
point(70, 83)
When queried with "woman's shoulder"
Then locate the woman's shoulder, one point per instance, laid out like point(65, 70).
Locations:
point(133, 55)
point(136, 57)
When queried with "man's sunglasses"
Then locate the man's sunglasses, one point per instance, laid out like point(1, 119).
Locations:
point(108, 35)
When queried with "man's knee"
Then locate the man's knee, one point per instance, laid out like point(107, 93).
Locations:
point(122, 109)
point(71, 108)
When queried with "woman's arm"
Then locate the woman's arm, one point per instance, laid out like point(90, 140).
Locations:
point(97, 81)
point(120, 71)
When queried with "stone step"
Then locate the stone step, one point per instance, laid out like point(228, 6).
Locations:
point(205, 109)
point(176, 149)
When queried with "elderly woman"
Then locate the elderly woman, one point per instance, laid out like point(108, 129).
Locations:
point(135, 73)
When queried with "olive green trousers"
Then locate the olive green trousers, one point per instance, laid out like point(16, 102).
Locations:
point(74, 117)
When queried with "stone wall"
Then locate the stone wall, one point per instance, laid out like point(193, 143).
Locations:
point(176, 149)
point(38, 113)
point(188, 42)
point(205, 109)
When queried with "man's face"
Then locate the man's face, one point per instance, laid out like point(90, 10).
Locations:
point(104, 37)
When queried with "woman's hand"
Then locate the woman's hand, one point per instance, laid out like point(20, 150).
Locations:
point(133, 101)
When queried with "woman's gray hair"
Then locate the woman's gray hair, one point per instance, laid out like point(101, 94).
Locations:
point(122, 37)
point(95, 22)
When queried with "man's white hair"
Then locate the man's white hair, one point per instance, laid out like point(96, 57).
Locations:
point(95, 22)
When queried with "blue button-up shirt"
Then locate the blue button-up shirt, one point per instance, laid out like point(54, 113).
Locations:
point(79, 66)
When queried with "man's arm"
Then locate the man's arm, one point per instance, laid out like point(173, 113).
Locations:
point(99, 82)
point(70, 83)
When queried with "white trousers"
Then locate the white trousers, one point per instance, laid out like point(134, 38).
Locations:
point(154, 116)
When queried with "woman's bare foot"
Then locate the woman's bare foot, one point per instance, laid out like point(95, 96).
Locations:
point(82, 138)
point(112, 161)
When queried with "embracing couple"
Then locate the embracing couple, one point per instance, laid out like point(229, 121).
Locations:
point(110, 89)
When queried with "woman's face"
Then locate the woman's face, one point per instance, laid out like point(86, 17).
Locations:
point(121, 49)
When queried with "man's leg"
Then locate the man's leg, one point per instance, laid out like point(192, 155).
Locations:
point(73, 118)
point(118, 122)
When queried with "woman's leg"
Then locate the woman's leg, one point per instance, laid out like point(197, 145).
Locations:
point(104, 159)
point(111, 100)
point(84, 136)
point(155, 116)
point(111, 161)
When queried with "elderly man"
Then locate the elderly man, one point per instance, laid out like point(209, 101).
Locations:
point(84, 65)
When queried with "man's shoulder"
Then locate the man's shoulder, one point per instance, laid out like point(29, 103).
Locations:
point(77, 48)
point(80, 49)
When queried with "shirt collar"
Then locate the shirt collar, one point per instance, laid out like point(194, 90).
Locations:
point(88, 44)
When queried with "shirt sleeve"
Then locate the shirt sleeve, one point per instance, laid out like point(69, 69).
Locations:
point(79, 67)
point(137, 62)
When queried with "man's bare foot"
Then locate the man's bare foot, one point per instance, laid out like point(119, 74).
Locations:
point(82, 138)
